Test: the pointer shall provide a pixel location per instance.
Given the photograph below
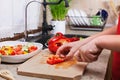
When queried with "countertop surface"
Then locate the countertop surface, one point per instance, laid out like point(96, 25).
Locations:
point(94, 71)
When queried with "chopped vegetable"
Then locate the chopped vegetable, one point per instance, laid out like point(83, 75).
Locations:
point(17, 49)
point(54, 59)
point(58, 40)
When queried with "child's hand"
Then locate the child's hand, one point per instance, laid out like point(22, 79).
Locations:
point(88, 52)
point(68, 50)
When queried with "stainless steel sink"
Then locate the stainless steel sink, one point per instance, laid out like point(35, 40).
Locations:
point(44, 38)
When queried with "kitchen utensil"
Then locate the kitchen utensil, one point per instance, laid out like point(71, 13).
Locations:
point(37, 67)
point(6, 74)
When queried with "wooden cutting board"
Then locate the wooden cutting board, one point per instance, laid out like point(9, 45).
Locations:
point(37, 67)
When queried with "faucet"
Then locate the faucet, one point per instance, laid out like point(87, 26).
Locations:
point(45, 26)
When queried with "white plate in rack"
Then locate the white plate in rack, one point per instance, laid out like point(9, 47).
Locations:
point(79, 18)
point(85, 17)
point(72, 17)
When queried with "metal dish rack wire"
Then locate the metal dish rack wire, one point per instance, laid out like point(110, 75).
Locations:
point(86, 23)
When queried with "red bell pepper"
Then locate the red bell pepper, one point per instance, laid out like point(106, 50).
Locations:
point(59, 39)
point(56, 41)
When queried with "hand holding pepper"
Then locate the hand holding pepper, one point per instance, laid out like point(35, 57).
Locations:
point(58, 40)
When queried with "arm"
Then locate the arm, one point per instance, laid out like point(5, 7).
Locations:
point(91, 50)
point(109, 31)
point(73, 47)
point(111, 42)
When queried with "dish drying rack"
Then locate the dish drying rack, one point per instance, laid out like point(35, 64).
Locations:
point(86, 23)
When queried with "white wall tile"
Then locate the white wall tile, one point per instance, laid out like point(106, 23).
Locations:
point(5, 13)
point(12, 16)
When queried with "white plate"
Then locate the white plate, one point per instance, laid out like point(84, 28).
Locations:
point(79, 19)
point(85, 17)
point(72, 15)
point(19, 58)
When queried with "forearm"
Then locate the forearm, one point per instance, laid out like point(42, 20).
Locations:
point(109, 31)
point(111, 42)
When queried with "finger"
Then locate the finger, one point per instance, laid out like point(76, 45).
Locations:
point(77, 56)
point(72, 52)
point(84, 56)
point(90, 57)
point(62, 49)
point(81, 53)
point(95, 53)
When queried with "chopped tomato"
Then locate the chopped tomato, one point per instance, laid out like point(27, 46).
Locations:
point(13, 53)
point(20, 52)
point(2, 52)
point(19, 45)
point(17, 49)
point(32, 48)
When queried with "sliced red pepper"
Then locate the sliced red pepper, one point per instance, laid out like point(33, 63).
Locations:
point(74, 39)
point(55, 59)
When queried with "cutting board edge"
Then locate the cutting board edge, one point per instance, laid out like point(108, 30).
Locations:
point(53, 77)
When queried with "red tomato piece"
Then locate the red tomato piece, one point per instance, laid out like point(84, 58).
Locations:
point(16, 49)
point(20, 52)
point(2, 52)
point(19, 45)
point(13, 53)
point(32, 48)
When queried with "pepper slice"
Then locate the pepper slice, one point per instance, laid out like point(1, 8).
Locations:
point(55, 59)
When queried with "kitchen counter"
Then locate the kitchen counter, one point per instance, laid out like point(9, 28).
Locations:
point(94, 71)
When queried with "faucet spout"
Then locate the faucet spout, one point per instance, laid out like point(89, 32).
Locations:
point(45, 26)
point(66, 3)
point(26, 8)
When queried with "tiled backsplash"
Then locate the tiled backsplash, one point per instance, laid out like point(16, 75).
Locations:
point(12, 16)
